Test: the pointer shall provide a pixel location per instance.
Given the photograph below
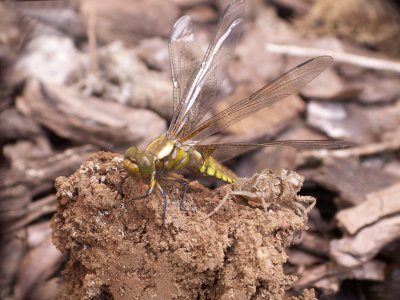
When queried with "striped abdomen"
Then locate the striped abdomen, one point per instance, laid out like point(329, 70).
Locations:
point(193, 160)
point(210, 167)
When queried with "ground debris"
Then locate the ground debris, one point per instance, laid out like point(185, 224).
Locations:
point(366, 244)
point(127, 252)
point(369, 227)
point(66, 111)
point(378, 205)
point(338, 174)
point(328, 276)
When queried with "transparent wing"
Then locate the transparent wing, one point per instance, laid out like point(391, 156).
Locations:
point(184, 55)
point(287, 84)
point(224, 151)
point(200, 92)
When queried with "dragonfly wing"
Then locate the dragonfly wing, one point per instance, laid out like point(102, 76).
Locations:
point(224, 151)
point(184, 55)
point(200, 92)
point(286, 85)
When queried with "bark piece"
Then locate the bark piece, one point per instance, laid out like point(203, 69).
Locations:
point(378, 205)
point(329, 86)
point(302, 258)
point(15, 126)
point(38, 265)
point(372, 23)
point(61, 16)
point(154, 52)
point(385, 121)
point(351, 180)
point(131, 21)
point(378, 89)
point(11, 253)
point(346, 122)
point(329, 275)
point(314, 244)
point(88, 119)
point(268, 121)
point(190, 3)
point(297, 7)
point(358, 249)
point(52, 59)
point(274, 158)
point(29, 177)
point(127, 79)
point(204, 14)
point(252, 58)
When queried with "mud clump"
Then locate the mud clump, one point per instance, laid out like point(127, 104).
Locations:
point(123, 251)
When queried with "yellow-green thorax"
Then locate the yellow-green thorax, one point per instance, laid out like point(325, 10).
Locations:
point(167, 154)
point(162, 153)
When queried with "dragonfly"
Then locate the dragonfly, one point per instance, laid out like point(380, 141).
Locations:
point(196, 79)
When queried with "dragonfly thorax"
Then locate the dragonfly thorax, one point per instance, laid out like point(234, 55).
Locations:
point(162, 154)
point(170, 154)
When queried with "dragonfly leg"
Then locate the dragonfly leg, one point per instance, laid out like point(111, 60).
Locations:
point(153, 183)
point(165, 201)
point(184, 191)
point(120, 189)
point(148, 193)
point(121, 185)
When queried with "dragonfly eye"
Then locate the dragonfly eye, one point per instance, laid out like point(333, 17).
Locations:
point(131, 153)
point(130, 161)
point(145, 162)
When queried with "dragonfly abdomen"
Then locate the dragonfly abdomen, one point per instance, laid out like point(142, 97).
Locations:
point(210, 167)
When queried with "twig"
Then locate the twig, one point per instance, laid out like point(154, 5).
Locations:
point(91, 32)
point(362, 61)
point(363, 150)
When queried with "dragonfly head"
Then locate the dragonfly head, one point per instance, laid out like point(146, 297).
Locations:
point(139, 163)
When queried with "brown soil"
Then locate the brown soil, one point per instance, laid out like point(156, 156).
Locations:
point(125, 252)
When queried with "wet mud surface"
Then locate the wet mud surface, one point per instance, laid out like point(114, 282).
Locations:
point(123, 251)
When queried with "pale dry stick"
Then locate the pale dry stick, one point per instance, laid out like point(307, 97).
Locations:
point(350, 152)
point(362, 61)
point(91, 32)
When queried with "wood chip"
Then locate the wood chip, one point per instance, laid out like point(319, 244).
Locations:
point(379, 204)
point(84, 119)
point(355, 250)
point(351, 180)
point(329, 275)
